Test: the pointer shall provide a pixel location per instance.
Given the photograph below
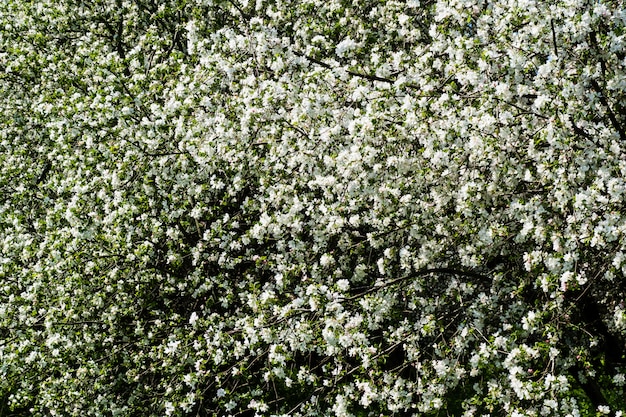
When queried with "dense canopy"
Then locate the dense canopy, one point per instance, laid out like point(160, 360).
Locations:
point(312, 207)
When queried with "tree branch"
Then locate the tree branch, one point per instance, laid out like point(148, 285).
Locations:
point(616, 124)
point(427, 271)
point(556, 51)
point(598, 89)
point(353, 73)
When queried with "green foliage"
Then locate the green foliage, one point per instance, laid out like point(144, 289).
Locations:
point(312, 208)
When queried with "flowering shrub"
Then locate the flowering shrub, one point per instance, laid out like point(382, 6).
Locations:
point(312, 207)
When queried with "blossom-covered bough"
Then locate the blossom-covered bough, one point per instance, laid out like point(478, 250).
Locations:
point(312, 207)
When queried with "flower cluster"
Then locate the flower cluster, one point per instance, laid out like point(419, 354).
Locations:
point(312, 208)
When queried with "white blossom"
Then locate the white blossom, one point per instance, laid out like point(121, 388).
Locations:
point(226, 203)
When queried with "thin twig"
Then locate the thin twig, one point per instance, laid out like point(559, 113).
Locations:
point(556, 52)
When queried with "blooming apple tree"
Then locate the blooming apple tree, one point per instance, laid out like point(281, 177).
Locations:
point(307, 208)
